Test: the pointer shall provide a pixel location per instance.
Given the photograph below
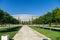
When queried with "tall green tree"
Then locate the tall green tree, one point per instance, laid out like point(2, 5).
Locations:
point(5, 18)
point(49, 17)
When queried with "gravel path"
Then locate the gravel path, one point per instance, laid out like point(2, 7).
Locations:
point(26, 33)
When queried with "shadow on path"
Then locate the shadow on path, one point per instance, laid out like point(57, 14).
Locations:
point(10, 29)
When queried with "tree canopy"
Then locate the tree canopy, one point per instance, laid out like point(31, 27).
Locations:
point(5, 18)
point(49, 17)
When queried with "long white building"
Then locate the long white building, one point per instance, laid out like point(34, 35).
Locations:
point(25, 17)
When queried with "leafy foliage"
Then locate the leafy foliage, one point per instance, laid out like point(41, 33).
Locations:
point(5, 18)
point(49, 17)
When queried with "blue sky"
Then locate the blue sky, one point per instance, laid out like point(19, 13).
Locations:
point(35, 7)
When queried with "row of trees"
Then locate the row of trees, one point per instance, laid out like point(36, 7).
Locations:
point(5, 18)
point(48, 18)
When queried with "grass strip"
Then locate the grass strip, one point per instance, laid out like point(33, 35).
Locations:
point(54, 35)
point(9, 31)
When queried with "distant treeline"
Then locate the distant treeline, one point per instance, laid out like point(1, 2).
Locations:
point(48, 18)
point(5, 18)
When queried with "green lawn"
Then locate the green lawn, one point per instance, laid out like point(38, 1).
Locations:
point(54, 35)
point(9, 31)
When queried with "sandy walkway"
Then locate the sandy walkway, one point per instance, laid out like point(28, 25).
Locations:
point(26, 33)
